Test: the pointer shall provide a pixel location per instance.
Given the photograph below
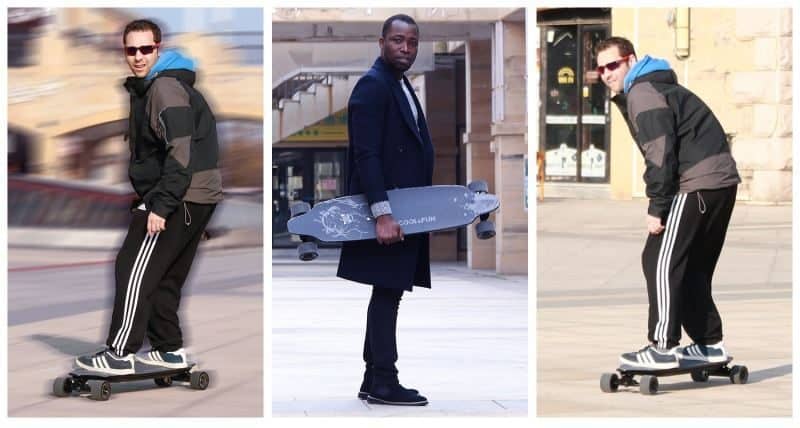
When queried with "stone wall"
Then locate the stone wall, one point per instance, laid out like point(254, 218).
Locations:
point(740, 64)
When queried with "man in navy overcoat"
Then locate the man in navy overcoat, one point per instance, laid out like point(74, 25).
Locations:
point(390, 147)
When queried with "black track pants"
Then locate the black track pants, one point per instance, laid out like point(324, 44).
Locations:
point(679, 266)
point(150, 272)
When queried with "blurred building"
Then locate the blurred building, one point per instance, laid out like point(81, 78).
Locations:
point(68, 111)
point(470, 78)
point(739, 61)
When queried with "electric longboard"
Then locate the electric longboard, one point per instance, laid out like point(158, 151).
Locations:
point(98, 384)
point(416, 209)
point(648, 379)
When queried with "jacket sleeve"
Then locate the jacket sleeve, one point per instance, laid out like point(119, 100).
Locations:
point(170, 117)
point(367, 111)
point(656, 135)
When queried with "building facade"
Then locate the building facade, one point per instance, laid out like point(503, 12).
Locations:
point(739, 61)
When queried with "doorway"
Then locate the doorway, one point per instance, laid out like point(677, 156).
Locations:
point(575, 134)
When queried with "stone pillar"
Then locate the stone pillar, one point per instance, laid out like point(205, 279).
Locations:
point(477, 138)
point(509, 144)
point(441, 113)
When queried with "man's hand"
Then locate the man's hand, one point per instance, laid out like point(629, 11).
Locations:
point(387, 230)
point(155, 224)
point(654, 225)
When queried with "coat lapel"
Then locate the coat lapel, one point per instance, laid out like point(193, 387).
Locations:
point(400, 98)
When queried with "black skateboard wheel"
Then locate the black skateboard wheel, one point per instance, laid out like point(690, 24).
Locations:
point(485, 230)
point(479, 186)
point(62, 386)
point(739, 374)
point(163, 381)
point(648, 385)
point(609, 382)
point(199, 380)
point(307, 251)
point(700, 375)
point(99, 390)
point(299, 208)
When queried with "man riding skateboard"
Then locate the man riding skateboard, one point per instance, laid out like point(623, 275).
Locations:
point(390, 147)
point(691, 180)
point(174, 170)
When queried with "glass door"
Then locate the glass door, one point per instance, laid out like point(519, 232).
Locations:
point(305, 174)
point(288, 169)
point(594, 164)
point(575, 105)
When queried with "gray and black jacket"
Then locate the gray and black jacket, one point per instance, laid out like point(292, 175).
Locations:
point(684, 146)
point(172, 136)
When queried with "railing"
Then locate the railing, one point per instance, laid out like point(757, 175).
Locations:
point(297, 83)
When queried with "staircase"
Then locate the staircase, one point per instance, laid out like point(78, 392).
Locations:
point(305, 98)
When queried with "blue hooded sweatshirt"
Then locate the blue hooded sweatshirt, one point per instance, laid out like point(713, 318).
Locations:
point(171, 59)
point(644, 66)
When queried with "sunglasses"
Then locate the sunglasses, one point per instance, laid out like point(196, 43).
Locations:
point(611, 66)
point(145, 50)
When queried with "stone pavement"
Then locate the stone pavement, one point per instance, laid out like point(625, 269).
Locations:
point(59, 306)
point(463, 344)
point(592, 306)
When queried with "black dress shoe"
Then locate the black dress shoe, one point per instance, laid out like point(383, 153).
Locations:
point(366, 384)
point(395, 395)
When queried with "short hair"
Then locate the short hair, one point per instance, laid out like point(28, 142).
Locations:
point(399, 17)
point(143, 25)
point(624, 46)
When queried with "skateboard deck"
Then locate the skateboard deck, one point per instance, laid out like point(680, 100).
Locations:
point(98, 384)
point(648, 383)
point(416, 209)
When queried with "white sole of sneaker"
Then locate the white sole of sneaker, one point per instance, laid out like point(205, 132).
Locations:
point(113, 372)
point(705, 360)
point(163, 364)
point(655, 366)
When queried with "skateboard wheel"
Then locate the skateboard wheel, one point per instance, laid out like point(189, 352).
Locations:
point(700, 375)
point(648, 385)
point(99, 390)
point(485, 230)
point(299, 208)
point(739, 374)
point(62, 386)
point(199, 380)
point(479, 186)
point(609, 382)
point(307, 251)
point(163, 381)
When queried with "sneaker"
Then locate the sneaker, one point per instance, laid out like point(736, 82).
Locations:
point(171, 360)
point(651, 358)
point(107, 361)
point(395, 395)
point(708, 353)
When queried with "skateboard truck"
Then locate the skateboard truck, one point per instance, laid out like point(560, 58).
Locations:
point(485, 228)
point(307, 250)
